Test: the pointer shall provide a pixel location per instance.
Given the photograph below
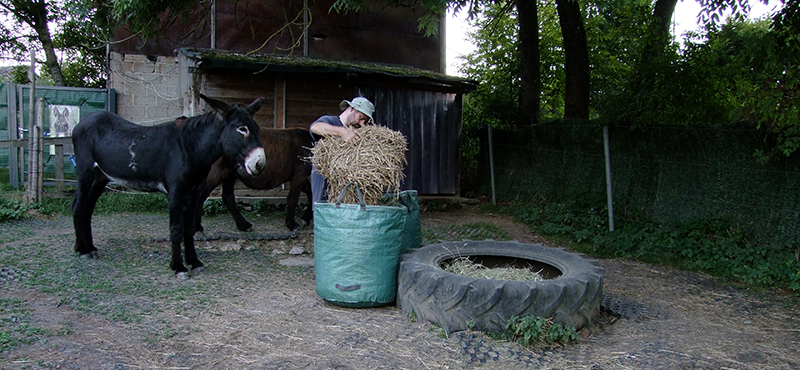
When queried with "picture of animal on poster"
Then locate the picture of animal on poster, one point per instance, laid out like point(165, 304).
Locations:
point(173, 158)
point(63, 119)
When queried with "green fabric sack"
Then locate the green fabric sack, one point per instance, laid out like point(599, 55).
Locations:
point(412, 230)
point(357, 251)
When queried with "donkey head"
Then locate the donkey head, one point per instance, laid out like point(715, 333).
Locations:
point(240, 138)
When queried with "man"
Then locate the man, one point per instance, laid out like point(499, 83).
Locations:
point(355, 113)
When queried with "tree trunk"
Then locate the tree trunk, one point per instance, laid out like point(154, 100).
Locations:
point(34, 13)
point(576, 60)
point(659, 30)
point(530, 72)
point(39, 23)
point(662, 12)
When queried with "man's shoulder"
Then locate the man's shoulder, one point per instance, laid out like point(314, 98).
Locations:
point(333, 120)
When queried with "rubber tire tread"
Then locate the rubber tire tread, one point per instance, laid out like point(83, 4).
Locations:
point(430, 293)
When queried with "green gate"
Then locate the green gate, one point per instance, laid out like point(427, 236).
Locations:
point(58, 110)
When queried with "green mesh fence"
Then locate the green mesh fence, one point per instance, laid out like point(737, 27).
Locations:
point(4, 152)
point(662, 175)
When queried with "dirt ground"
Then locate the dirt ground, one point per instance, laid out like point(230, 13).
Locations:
point(248, 310)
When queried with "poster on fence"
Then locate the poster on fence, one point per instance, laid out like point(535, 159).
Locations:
point(63, 119)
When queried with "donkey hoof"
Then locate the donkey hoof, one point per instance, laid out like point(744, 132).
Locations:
point(89, 256)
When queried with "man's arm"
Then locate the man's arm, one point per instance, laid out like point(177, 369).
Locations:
point(326, 129)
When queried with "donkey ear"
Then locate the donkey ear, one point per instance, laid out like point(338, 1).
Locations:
point(218, 105)
point(255, 105)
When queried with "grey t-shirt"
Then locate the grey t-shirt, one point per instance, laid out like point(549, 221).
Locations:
point(319, 183)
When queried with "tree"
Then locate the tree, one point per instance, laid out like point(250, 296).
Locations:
point(576, 56)
point(530, 63)
point(36, 14)
point(495, 64)
point(80, 26)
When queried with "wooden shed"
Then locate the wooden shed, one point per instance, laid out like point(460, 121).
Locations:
point(424, 106)
point(377, 53)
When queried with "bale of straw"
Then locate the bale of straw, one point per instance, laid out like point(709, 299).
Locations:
point(374, 161)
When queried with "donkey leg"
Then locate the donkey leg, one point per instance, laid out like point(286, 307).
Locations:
point(176, 229)
point(291, 207)
point(308, 213)
point(188, 238)
point(229, 198)
point(90, 187)
point(205, 191)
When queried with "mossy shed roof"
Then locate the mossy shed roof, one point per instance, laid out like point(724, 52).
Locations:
point(216, 59)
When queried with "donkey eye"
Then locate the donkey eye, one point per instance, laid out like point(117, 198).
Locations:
point(243, 130)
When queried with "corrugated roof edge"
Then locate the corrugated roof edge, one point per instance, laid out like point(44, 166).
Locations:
point(214, 59)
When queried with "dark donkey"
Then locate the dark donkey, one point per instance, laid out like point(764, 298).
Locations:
point(173, 158)
point(286, 152)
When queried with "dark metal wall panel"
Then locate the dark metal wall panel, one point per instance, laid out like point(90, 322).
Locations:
point(431, 123)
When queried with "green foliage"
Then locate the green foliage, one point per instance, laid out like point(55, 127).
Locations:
point(12, 210)
point(713, 246)
point(213, 207)
point(267, 209)
point(536, 331)
point(19, 74)
point(616, 33)
point(741, 73)
point(111, 202)
point(82, 39)
point(495, 65)
point(132, 202)
point(59, 205)
point(147, 18)
point(78, 32)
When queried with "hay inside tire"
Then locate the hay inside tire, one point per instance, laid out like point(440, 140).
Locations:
point(570, 293)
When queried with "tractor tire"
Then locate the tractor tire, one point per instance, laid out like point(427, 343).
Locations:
point(571, 293)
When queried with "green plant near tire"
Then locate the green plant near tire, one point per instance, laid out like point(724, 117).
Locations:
point(535, 331)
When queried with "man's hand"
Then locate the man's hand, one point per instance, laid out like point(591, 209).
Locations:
point(326, 129)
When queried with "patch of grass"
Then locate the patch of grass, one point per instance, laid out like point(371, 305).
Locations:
point(112, 286)
point(14, 326)
point(148, 203)
point(471, 231)
point(437, 330)
point(13, 208)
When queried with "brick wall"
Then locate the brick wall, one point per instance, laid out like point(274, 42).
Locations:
point(148, 89)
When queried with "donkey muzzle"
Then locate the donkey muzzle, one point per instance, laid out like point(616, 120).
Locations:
point(255, 162)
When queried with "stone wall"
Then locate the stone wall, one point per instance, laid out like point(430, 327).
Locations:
point(148, 88)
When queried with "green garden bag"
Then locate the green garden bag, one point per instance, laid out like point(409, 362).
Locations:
point(412, 230)
point(357, 251)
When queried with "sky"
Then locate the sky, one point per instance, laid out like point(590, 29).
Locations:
point(684, 19)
